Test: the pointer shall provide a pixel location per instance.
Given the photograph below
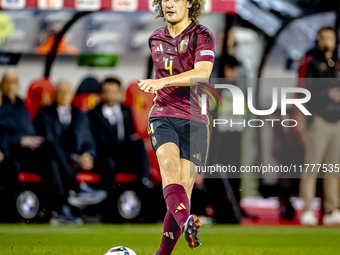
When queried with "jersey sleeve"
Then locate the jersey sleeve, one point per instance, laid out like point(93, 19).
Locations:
point(150, 39)
point(152, 35)
point(149, 42)
point(205, 46)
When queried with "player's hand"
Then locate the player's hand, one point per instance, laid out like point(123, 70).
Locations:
point(32, 142)
point(334, 94)
point(150, 86)
point(2, 157)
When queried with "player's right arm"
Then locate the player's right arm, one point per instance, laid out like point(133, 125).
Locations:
point(201, 72)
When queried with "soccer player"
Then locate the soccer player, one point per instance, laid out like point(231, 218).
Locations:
point(180, 51)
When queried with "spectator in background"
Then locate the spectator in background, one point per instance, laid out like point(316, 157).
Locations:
point(39, 94)
point(229, 69)
point(228, 46)
point(114, 133)
point(23, 135)
point(67, 130)
point(8, 170)
point(322, 142)
point(231, 42)
point(3, 136)
point(20, 143)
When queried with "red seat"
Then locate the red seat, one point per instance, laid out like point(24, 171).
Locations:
point(40, 94)
point(126, 178)
point(86, 101)
point(87, 98)
point(88, 177)
point(88, 94)
point(95, 178)
point(24, 177)
point(140, 104)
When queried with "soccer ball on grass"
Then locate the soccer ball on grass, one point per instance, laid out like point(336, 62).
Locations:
point(120, 250)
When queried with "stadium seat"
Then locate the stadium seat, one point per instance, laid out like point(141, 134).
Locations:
point(88, 94)
point(86, 98)
point(29, 201)
point(40, 93)
point(126, 178)
point(24, 177)
point(140, 104)
point(88, 177)
point(95, 178)
point(31, 198)
point(86, 101)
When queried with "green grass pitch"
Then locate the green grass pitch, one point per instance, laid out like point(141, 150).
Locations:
point(22, 239)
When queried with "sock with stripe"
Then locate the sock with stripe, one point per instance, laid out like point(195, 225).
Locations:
point(171, 234)
point(178, 203)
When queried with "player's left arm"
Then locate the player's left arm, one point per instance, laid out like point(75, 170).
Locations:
point(204, 59)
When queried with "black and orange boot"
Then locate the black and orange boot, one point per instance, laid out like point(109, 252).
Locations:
point(190, 231)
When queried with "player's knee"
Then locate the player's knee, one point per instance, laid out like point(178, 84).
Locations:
point(169, 166)
point(164, 152)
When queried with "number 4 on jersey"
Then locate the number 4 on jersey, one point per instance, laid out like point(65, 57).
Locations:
point(168, 67)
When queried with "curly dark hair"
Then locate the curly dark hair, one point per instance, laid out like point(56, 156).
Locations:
point(195, 12)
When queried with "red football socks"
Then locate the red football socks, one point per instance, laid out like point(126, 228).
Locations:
point(171, 234)
point(178, 203)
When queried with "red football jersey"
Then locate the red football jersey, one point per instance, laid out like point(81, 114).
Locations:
point(172, 56)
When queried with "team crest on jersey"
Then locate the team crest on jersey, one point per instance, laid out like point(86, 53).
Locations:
point(183, 45)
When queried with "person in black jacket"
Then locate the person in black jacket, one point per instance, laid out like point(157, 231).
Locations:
point(8, 170)
point(322, 143)
point(20, 125)
point(19, 140)
point(19, 143)
point(3, 135)
point(67, 131)
point(114, 133)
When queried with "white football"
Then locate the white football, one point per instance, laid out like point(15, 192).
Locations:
point(120, 250)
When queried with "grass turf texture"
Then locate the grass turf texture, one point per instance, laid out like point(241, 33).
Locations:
point(144, 239)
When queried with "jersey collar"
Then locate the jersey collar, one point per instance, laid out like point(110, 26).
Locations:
point(185, 30)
